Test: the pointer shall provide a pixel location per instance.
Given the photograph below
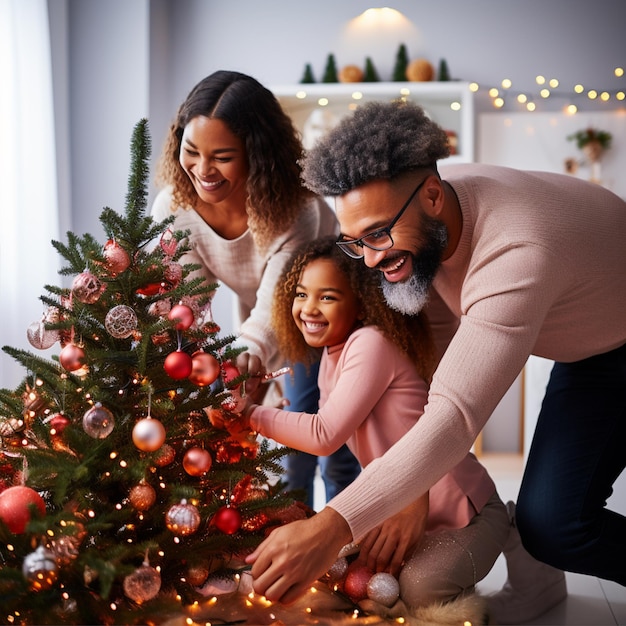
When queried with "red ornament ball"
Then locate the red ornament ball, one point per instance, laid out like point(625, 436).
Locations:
point(58, 423)
point(228, 520)
point(142, 496)
point(355, 584)
point(148, 434)
point(178, 365)
point(197, 461)
point(230, 373)
point(165, 455)
point(15, 507)
point(205, 368)
point(72, 357)
point(182, 315)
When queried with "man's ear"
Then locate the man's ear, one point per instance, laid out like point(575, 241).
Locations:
point(433, 196)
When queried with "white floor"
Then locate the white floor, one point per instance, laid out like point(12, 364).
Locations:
point(590, 601)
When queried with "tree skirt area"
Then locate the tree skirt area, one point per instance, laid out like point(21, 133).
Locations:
point(320, 605)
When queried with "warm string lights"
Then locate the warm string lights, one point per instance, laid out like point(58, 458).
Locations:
point(550, 88)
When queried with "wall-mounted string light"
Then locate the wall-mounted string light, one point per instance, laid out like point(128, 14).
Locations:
point(504, 94)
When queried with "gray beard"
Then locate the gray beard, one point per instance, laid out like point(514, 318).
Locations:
point(408, 297)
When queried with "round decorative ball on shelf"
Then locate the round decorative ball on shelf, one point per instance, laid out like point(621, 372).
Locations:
point(178, 365)
point(40, 569)
point(197, 461)
point(383, 588)
point(87, 287)
point(182, 315)
point(98, 422)
point(148, 434)
point(15, 507)
point(350, 74)
point(228, 520)
point(121, 321)
point(420, 70)
point(182, 519)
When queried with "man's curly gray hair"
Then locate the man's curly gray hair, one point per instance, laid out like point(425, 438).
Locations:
point(380, 140)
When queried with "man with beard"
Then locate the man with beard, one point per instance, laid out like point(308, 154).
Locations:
point(507, 264)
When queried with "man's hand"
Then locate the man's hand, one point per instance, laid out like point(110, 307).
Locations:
point(384, 548)
point(297, 554)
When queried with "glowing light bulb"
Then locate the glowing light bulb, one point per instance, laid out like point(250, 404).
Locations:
point(619, 72)
point(540, 80)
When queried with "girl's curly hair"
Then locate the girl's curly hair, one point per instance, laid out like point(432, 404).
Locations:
point(381, 140)
point(411, 334)
point(272, 143)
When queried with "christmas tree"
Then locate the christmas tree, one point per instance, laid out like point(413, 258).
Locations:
point(125, 481)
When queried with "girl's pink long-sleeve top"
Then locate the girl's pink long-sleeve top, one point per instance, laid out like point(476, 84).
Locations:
point(370, 396)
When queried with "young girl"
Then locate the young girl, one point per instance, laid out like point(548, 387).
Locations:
point(373, 379)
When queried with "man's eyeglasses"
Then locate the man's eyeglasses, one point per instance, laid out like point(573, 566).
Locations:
point(379, 239)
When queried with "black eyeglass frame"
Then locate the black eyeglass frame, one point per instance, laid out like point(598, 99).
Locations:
point(345, 244)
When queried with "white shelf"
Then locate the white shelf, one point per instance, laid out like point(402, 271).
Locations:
point(450, 104)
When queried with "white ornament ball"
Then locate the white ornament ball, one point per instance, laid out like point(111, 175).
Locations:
point(143, 584)
point(40, 569)
point(98, 422)
point(148, 434)
point(40, 337)
point(383, 588)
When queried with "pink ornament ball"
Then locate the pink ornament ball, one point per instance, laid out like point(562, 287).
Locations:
point(72, 357)
point(197, 461)
point(87, 288)
point(117, 259)
point(15, 507)
point(230, 373)
point(182, 315)
point(227, 520)
point(178, 365)
point(355, 584)
point(148, 434)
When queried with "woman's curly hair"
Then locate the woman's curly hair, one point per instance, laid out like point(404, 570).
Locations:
point(411, 334)
point(381, 140)
point(272, 143)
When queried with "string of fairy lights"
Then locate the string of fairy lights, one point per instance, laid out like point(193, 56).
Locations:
point(549, 88)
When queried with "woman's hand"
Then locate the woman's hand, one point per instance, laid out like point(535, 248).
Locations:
point(297, 554)
point(384, 548)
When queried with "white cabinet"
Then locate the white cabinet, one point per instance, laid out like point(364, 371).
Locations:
point(316, 107)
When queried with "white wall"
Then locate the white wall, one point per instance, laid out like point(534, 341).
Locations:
point(127, 59)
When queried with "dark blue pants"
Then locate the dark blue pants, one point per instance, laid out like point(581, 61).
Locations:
point(577, 453)
point(340, 468)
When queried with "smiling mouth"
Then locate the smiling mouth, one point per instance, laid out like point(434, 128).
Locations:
point(210, 186)
point(389, 266)
point(313, 327)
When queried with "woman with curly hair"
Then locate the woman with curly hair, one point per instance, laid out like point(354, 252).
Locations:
point(375, 368)
point(230, 174)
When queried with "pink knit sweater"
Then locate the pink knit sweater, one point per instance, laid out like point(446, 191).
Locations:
point(540, 269)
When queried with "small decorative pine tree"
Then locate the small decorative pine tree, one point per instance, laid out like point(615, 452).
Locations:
point(370, 75)
point(443, 74)
point(125, 481)
point(330, 71)
point(308, 77)
point(402, 61)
